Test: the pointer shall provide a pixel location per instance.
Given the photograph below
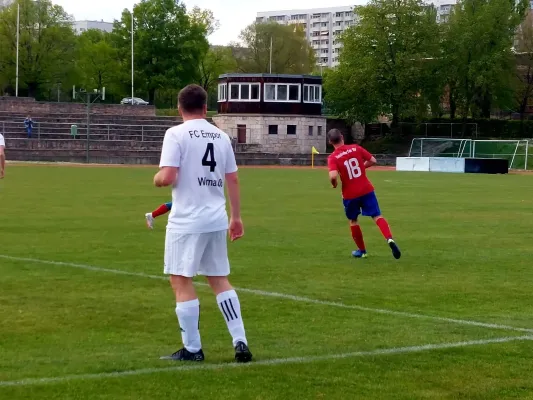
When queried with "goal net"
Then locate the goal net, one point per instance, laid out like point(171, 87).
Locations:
point(517, 152)
point(441, 147)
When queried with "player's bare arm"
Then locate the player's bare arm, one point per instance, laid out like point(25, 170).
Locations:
point(333, 176)
point(371, 162)
point(2, 162)
point(166, 176)
point(236, 229)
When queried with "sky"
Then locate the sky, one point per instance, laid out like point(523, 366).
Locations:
point(233, 15)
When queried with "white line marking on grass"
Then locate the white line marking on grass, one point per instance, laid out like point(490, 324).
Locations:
point(286, 296)
point(275, 361)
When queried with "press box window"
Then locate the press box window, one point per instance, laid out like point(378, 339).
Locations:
point(244, 92)
point(281, 92)
point(272, 129)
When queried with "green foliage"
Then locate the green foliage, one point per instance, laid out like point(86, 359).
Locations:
point(97, 61)
point(204, 18)
point(218, 60)
point(291, 52)
point(46, 51)
point(383, 66)
point(168, 44)
point(477, 54)
point(523, 82)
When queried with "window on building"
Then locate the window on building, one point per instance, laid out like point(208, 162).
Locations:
point(319, 130)
point(316, 42)
point(294, 92)
point(325, 51)
point(339, 15)
point(324, 25)
point(272, 129)
point(315, 34)
point(348, 13)
point(324, 60)
point(338, 23)
point(244, 92)
point(282, 92)
point(325, 42)
point(310, 130)
point(222, 92)
point(312, 94)
point(316, 16)
point(291, 129)
point(325, 15)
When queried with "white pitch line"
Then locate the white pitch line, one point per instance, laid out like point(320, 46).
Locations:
point(287, 297)
point(272, 362)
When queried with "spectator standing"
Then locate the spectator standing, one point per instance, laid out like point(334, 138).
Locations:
point(28, 123)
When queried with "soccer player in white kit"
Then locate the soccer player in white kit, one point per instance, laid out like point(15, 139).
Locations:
point(197, 159)
point(2, 157)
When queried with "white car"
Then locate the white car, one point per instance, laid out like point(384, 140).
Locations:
point(137, 101)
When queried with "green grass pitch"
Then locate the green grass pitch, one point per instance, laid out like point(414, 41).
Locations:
point(352, 331)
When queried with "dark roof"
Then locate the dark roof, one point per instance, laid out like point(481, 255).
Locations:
point(270, 76)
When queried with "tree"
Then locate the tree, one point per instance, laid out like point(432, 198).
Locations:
point(204, 18)
point(477, 54)
point(291, 52)
point(96, 60)
point(385, 62)
point(524, 65)
point(218, 60)
point(47, 45)
point(168, 44)
point(349, 96)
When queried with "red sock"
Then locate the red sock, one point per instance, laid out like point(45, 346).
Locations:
point(162, 210)
point(357, 236)
point(384, 227)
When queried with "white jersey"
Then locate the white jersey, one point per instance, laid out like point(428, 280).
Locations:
point(2, 141)
point(204, 155)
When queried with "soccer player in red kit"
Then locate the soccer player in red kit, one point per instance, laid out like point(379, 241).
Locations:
point(350, 163)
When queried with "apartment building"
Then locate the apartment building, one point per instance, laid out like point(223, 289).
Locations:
point(322, 26)
point(82, 26)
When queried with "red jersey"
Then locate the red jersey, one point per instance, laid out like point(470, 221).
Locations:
point(349, 161)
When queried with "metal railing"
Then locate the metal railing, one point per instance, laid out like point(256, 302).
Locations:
point(40, 130)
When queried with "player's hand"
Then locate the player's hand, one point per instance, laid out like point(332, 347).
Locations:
point(334, 183)
point(236, 229)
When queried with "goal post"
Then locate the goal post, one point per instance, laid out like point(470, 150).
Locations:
point(441, 147)
point(517, 152)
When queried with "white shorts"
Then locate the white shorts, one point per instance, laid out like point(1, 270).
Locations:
point(191, 254)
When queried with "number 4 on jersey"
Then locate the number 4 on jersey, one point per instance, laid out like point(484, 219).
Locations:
point(209, 157)
point(354, 170)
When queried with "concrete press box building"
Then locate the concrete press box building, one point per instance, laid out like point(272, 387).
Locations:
point(272, 113)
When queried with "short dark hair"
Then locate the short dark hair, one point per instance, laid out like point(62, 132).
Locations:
point(335, 136)
point(192, 99)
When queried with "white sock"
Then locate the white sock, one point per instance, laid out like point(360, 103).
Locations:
point(188, 317)
point(229, 305)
